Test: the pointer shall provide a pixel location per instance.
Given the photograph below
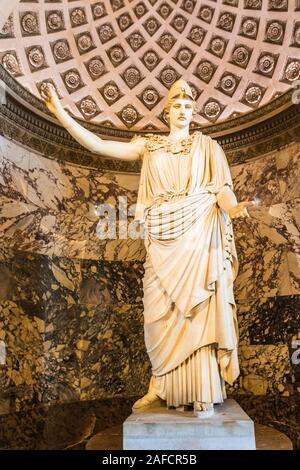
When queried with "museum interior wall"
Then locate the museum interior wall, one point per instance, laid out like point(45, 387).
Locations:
point(71, 315)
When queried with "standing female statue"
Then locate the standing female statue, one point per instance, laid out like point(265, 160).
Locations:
point(186, 203)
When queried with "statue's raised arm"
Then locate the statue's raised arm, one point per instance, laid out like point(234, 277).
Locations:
point(107, 148)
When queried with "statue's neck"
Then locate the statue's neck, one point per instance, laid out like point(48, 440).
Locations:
point(178, 134)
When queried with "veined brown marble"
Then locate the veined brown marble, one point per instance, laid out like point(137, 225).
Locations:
point(288, 170)
point(265, 369)
point(268, 242)
point(50, 207)
point(113, 356)
point(257, 179)
point(264, 243)
point(25, 361)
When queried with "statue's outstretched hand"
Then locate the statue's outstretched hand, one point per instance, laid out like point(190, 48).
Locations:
point(50, 97)
point(241, 209)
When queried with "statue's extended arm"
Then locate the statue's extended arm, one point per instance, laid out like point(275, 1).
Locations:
point(226, 199)
point(109, 148)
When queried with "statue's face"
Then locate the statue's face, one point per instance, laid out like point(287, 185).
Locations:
point(181, 112)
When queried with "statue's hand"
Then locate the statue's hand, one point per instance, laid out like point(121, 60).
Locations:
point(50, 97)
point(241, 209)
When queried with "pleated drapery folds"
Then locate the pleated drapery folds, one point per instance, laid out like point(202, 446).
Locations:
point(196, 379)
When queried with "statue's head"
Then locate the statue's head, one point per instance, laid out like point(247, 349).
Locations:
point(180, 102)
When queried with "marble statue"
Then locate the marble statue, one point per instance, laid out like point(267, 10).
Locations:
point(185, 203)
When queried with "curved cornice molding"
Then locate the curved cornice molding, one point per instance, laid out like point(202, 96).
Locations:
point(27, 121)
point(229, 126)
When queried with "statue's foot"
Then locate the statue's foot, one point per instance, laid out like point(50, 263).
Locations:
point(145, 402)
point(203, 410)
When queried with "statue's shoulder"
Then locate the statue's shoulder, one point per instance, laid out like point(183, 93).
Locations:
point(145, 137)
point(151, 142)
point(205, 137)
point(154, 141)
point(208, 138)
point(214, 143)
point(148, 135)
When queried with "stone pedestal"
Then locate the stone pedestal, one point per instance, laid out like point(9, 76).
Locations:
point(230, 428)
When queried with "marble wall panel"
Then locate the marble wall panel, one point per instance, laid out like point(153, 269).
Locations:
point(14, 164)
point(288, 171)
point(7, 280)
point(62, 425)
point(268, 320)
point(268, 243)
point(19, 214)
point(265, 369)
point(257, 180)
point(50, 207)
point(24, 366)
point(293, 255)
point(66, 295)
point(95, 249)
point(111, 282)
point(40, 279)
point(114, 360)
point(127, 250)
point(79, 225)
point(88, 245)
point(264, 241)
point(22, 430)
point(61, 378)
point(274, 320)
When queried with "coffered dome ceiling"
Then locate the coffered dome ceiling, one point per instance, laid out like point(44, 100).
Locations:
point(112, 62)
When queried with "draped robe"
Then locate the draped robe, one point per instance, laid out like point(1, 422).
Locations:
point(190, 323)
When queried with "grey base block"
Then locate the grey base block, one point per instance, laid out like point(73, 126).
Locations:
point(230, 428)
